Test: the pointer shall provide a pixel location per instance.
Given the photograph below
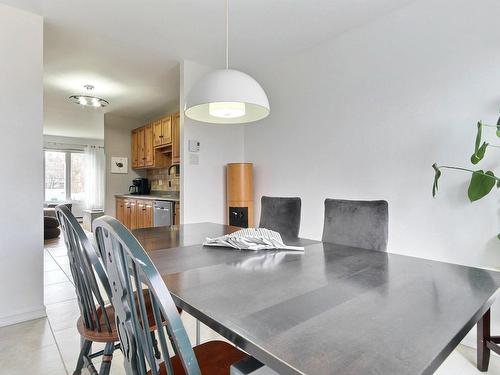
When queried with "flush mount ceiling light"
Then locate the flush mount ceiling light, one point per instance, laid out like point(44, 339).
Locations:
point(227, 96)
point(88, 100)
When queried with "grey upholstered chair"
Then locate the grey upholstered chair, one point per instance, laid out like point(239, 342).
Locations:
point(281, 215)
point(129, 268)
point(362, 224)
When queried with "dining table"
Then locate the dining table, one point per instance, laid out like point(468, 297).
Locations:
point(329, 309)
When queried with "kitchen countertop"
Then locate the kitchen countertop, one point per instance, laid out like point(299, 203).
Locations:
point(154, 197)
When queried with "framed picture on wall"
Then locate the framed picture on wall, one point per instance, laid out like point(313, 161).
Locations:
point(119, 164)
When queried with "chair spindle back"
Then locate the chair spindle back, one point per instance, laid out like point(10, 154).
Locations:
point(85, 265)
point(130, 269)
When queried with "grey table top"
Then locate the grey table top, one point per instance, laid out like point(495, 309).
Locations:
point(331, 310)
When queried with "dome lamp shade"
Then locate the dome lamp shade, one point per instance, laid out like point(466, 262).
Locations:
point(227, 96)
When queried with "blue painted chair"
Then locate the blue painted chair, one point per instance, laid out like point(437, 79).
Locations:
point(97, 321)
point(130, 268)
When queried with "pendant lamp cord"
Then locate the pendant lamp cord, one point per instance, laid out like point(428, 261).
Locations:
point(227, 34)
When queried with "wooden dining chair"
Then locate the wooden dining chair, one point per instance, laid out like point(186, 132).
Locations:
point(362, 224)
point(281, 215)
point(97, 321)
point(130, 268)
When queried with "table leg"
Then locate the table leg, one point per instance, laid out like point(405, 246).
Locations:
point(483, 336)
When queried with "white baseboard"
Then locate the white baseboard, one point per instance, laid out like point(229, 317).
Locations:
point(22, 316)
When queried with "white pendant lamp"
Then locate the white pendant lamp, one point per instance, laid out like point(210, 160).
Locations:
point(227, 96)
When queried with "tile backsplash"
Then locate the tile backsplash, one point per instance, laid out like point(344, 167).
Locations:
point(161, 180)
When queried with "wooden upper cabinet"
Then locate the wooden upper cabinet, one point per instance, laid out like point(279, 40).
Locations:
point(163, 132)
point(149, 160)
point(176, 134)
point(141, 151)
point(157, 132)
point(150, 143)
point(135, 149)
point(166, 125)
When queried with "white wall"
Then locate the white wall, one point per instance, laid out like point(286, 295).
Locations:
point(366, 115)
point(21, 108)
point(117, 142)
point(203, 186)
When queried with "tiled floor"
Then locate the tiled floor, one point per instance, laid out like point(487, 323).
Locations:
point(51, 345)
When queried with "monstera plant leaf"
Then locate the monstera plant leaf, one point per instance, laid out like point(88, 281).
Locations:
point(437, 174)
point(481, 184)
point(479, 154)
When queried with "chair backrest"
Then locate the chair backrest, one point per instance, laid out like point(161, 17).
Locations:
point(130, 268)
point(281, 215)
point(361, 224)
point(85, 265)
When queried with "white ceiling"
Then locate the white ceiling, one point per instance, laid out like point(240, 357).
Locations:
point(130, 50)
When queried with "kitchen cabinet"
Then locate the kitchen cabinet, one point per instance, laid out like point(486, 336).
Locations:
point(120, 209)
point(130, 216)
point(134, 213)
point(177, 215)
point(149, 160)
point(163, 132)
point(157, 131)
point(135, 148)
point(144, 214)
point(157, 145)
point(144, 154)
point(176, 147)
point(140, 147)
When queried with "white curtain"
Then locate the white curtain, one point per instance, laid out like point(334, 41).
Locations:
point(94, 178)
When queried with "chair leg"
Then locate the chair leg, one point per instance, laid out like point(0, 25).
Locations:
point(106, 358)
point(86, 345)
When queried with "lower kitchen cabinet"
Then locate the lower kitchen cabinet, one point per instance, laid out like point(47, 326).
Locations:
point(120, 209)
point(144, 213)
point(134, 213)
point(177, 214)
point(130, 216)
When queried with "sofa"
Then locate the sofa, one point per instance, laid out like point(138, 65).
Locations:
point(50, 223)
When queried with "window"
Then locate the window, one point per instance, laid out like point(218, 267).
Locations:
point(64, 176)
point(55, 176)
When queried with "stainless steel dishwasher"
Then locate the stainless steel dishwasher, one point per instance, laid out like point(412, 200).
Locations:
point(163, 213)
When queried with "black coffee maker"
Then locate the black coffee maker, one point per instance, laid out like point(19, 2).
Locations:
point(139, 186)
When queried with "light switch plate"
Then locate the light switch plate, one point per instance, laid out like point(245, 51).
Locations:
point(194, 145)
